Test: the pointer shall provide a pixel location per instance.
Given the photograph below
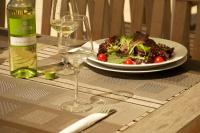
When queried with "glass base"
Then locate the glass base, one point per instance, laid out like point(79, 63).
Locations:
point(65, 71)
point(109, 98)
point(79, 107)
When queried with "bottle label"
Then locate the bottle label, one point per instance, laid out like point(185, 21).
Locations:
point(22, 41)
point(22, 31)
point(22, 26)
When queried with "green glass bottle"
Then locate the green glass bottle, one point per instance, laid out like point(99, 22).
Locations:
point(22, 38)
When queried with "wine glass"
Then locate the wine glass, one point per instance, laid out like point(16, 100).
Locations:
point(59, 9)
point(78, 48)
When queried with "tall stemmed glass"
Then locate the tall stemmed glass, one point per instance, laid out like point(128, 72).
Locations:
point(78, 48)
point(59, 9)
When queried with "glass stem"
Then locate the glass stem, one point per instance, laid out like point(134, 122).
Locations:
point(76, 87)
point(59, 40)
point(60, 46)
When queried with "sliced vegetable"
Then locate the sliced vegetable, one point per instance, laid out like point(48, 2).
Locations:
point(129, 61)
point(158, 59)
point(125, 40)
point(142, 47)
point(49, 75)
point(102, 57)
point(113, 58)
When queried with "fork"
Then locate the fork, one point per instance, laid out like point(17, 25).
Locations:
point(89, 120)
point(106, 110)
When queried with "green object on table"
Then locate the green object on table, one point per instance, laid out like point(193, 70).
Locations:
point(49, 75)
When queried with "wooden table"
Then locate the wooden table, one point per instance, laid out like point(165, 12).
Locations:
point(161, 102)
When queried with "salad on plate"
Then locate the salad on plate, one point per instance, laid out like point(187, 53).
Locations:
point(136, 49)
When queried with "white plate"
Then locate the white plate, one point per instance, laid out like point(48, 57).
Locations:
point(156, 69)
point(179, 50)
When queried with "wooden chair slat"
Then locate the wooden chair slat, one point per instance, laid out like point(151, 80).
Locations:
point(196, 45)
point(117, 8)
point(137, 12)
point(106, 20)
point(166, 28)
point(91, 4)
point(2, 12)
point(157, 18)
point(97, 22)
point(82, 5)
point(180, 29)
point(148, 13)
point(46, 27)
point(64, 6)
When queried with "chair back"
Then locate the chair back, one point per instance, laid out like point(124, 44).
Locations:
point(181, 26)
point(107, 17)
point(156, 17)
point(46, 14)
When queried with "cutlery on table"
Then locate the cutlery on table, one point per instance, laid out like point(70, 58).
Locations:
point(88, 121)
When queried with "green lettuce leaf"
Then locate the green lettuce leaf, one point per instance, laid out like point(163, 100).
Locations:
point(113, 58)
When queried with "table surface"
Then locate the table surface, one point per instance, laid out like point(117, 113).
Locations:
point(161, 102)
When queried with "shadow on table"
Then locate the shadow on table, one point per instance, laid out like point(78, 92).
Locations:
point(144, 76)
point(2, 60)
point(193, 65)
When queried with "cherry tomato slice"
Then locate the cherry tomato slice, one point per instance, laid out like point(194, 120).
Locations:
point(102, 57)
point(129, 61)
point(158, 59)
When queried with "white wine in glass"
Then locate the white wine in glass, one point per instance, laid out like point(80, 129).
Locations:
point(61, 8)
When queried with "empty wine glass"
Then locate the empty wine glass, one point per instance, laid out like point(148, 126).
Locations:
point(78, 48)
point(59, 9)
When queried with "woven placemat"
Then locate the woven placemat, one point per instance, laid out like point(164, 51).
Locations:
point(37, 105)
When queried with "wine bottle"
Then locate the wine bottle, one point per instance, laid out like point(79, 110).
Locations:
point(22, 38)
